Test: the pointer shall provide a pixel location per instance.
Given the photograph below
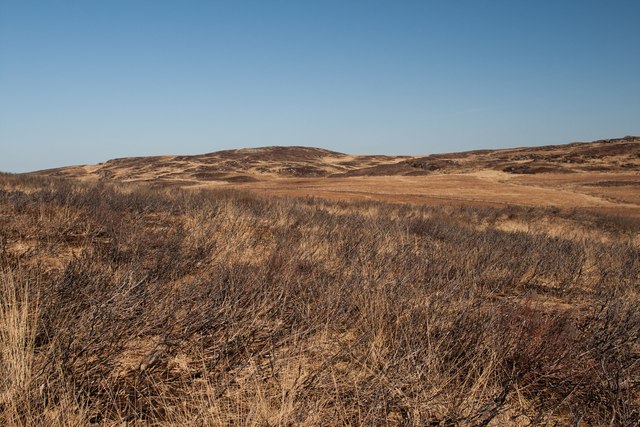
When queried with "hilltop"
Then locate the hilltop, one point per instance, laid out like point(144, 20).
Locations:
point(243, 165)
point(255, 164)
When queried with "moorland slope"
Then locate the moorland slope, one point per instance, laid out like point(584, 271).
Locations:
point(601, 175)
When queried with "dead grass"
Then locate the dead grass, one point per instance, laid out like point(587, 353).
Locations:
point(18, 325)
point(566, 176)
point(142, 306)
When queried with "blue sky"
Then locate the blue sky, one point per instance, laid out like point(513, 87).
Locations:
point(84, 81)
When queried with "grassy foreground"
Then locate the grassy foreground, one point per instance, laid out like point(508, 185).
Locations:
point(173, 307)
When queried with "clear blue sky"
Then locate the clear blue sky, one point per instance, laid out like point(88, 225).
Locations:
point(84, 81)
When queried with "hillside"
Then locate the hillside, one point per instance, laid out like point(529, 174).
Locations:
point(601, 175)
point(253, 164)
point(244, 165)
point(612, 155)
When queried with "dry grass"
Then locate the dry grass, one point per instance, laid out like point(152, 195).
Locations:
point(144, 306)
point(18, 325)
point(566, 176)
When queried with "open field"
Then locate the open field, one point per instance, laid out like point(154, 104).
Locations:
point(473, 189)
point(135, 293)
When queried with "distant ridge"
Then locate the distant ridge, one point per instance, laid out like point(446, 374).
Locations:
point(276, 162)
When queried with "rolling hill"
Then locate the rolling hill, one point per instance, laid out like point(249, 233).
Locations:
point(601, 175)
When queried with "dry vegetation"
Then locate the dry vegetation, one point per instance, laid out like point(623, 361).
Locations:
point(601, 175)
point(150, 306)
point(620, 155)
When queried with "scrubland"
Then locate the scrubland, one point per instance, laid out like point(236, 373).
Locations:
point(129, 304)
